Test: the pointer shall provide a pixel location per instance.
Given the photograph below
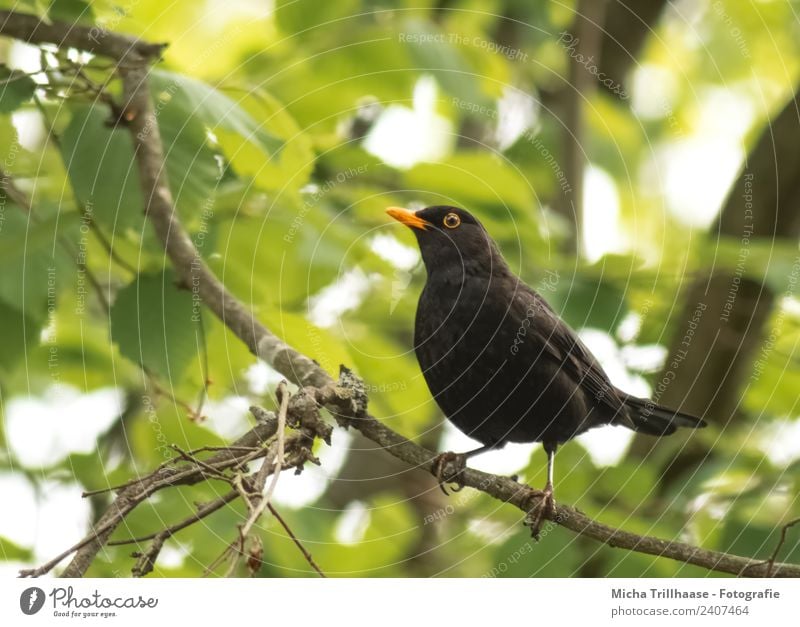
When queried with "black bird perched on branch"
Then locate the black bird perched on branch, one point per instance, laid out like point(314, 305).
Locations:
point(500, 363)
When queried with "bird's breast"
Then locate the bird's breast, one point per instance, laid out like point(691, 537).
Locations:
point(457, 321)
point(461, 340)
point(491, 387)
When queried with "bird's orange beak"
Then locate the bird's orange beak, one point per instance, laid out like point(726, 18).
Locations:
point(408, 217)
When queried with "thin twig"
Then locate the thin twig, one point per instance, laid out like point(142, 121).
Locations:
point(295, 539)
point(220, 559)
point(191, 458)
point(107, 245)
point(141, 489)
point(14, 193)
point(202, 395)
point(774, 556)
point(169, 462)
point(263, 500)
point(202, 512)
point(161, 391)
point(253, 494)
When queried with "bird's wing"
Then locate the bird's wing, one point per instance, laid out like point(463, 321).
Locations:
point(556, 340)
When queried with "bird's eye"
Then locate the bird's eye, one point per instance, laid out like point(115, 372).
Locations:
point(451, 220)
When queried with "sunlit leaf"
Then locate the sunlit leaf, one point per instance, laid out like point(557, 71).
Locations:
point(13, 552)
point(209, 106)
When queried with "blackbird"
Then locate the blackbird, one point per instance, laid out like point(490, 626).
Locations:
point(501, 364)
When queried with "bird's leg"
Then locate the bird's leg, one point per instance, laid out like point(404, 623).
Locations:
point(447, 467)
point(546, 504)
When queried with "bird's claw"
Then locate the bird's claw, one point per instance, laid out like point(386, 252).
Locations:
point(543, 509)
point(447, 468)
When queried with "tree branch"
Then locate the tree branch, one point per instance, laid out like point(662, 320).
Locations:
point(247, 448)
point(202, 512)
point(137, 491)
point(345, 400)
point(260, 499)
point(31, 29)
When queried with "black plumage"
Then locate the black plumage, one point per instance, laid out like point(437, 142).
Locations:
point(498, 360)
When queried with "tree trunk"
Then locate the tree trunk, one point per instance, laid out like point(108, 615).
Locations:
point(725, 314)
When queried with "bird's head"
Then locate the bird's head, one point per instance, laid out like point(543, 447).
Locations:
point(451, 240)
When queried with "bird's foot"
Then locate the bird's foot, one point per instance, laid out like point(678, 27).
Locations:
point(447, 468)
point(543, 509)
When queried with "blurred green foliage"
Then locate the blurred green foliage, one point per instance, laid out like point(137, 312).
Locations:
point(263, 115)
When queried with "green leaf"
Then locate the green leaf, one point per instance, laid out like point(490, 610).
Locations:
point(293, 257)
point(474, 177)
point(297, 157)
point(212, 108)
point(32, 260)
point(80, 341)
point(378, 66)
point(155, 325)
point(319, 344)
point(72, 10)
point(100, 164)
point(432, 51)
point(392, 378)
point(105, 177)
point(193, 169)
point(16, 88)
point(584, 301)
point(228, 358)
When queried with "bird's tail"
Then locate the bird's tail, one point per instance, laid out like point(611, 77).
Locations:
point(647, 417)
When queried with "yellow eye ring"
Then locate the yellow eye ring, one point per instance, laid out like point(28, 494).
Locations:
point(451, 220)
